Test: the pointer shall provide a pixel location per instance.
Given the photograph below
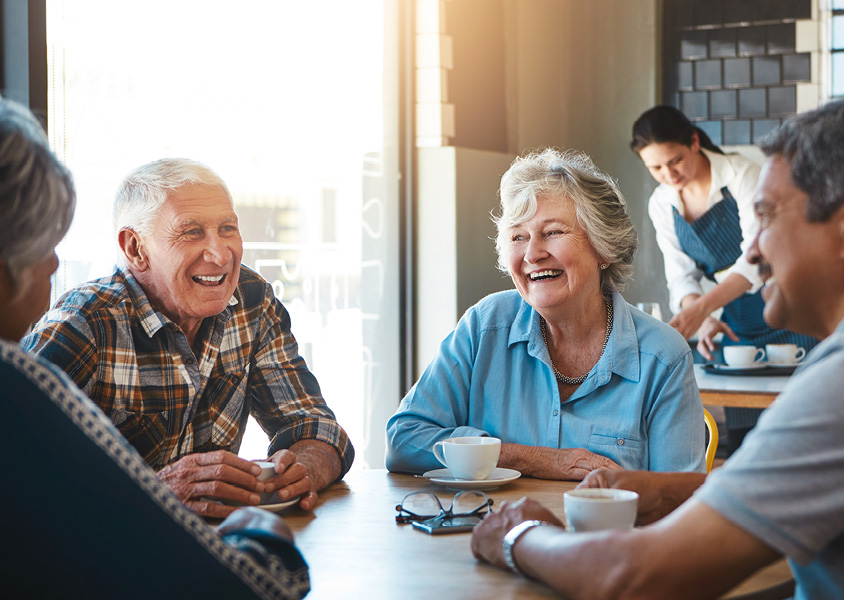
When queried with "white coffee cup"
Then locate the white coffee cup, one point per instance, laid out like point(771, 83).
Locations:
point(267, 471)
point(593, 509)
point(471, 458)
point(743, 356)
point(784, 354)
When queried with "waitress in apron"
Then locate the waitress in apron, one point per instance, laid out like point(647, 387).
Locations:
point(702, 211)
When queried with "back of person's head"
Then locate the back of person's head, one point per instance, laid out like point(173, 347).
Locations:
point(37, 197)
point(667, 125)
point(599, 205)
point(812, 143)
point(143, 191)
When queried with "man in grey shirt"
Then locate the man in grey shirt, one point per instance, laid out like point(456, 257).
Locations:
point(781, 494)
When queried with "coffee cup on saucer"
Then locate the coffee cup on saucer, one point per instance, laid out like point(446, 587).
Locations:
point(743, 356)
point(784, 354)
point(471, 458)
point(267, 471)
point(594, 509)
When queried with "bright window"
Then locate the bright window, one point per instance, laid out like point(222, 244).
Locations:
point(837, 53)
point(293, 104)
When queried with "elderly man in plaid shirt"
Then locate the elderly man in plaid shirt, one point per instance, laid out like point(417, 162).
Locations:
point(182, 343)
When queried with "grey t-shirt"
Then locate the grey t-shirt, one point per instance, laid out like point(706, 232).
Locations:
point(785, 485)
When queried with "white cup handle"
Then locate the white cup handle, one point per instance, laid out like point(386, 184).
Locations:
point(759, 357)
point(801, 352)
point(438, 452)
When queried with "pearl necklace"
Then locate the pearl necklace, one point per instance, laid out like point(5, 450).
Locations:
point(581, 378)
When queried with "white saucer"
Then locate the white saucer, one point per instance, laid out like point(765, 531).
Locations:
point(497, 478)
point(279, 506)
point(751, 367)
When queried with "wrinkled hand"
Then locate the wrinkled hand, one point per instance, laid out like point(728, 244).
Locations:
point(689, 320)
point(488, 535)
point(292, 479)
point(199, 479)
point(707, 331)
point(255, 519)
point(576, 463)
point(659, 493)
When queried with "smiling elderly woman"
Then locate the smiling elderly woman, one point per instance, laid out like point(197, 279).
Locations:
point(562, 369)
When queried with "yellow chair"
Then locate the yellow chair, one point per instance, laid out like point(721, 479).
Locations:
point(712, 446)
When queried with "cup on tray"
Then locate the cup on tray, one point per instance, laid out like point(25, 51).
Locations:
point(784, 354)
point(743, 356)
point(471, 458)
point(594, 509)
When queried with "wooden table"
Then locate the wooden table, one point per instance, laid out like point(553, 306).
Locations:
point(355, 549)
point(742, 392)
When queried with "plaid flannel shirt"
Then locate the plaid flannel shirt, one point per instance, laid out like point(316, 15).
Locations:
point(136, 364)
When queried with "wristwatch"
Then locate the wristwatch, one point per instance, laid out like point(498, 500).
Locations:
point(510, 540)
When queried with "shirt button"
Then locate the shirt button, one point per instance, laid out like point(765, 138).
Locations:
point(555, 412)
point(620, 442)
point(190, 361)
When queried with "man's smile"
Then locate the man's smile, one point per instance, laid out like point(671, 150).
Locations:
point(209, 280)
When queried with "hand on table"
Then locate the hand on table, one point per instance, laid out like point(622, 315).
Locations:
point(199, 479)
point(571, 464)
point(659, 493)
point(488, 535)
point(292, 479)
point(707, 331)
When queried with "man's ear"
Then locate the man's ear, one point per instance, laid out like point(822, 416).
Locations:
point(131, 246)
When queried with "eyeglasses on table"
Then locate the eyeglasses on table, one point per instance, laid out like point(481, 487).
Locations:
point(420, 506)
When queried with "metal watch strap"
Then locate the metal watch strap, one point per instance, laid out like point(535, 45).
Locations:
point(510, 541)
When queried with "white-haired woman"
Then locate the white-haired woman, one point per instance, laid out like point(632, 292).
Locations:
point(566, 373)
point(81, 499)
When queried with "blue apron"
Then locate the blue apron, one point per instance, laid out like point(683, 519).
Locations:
point(713, 241)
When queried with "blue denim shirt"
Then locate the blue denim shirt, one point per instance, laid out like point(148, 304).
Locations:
point(640, 406)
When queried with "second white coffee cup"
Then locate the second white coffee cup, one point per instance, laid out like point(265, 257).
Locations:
point(743, 356)
point(784, 354)
point(593, 509)
point(471, 458)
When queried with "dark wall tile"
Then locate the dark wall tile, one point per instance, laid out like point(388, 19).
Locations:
point(707, 12)
point(692, 44)
point(712, 129)
point(685, 75)
point(782, 100)
point(722, 43)
point(736, 132)
point(707, 74)
point(722, 103)
point(766, 70)
point(694, 105)
point(763, 127)
point(737, 11)
point(752, 103)
point(798, 9)
point(797, 67)
point(767, 10)
point(781, 38)
point(737, 72)
point(751, 41)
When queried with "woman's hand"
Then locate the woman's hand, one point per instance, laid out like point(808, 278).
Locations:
point(709, 330)
point(568, 464)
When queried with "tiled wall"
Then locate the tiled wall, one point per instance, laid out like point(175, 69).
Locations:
point(732, 65)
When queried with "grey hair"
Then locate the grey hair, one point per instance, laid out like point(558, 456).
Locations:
point(812, 143)
point(37, 197)
point(143, 192)
point(599, 205)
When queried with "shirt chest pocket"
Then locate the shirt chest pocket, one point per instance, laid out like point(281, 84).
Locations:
point(227, 405)
point(628, 452)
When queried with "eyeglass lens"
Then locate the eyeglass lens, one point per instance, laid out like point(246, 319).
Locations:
point(426, 505)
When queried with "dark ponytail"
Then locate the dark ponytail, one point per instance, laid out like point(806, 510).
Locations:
point(665, 124)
